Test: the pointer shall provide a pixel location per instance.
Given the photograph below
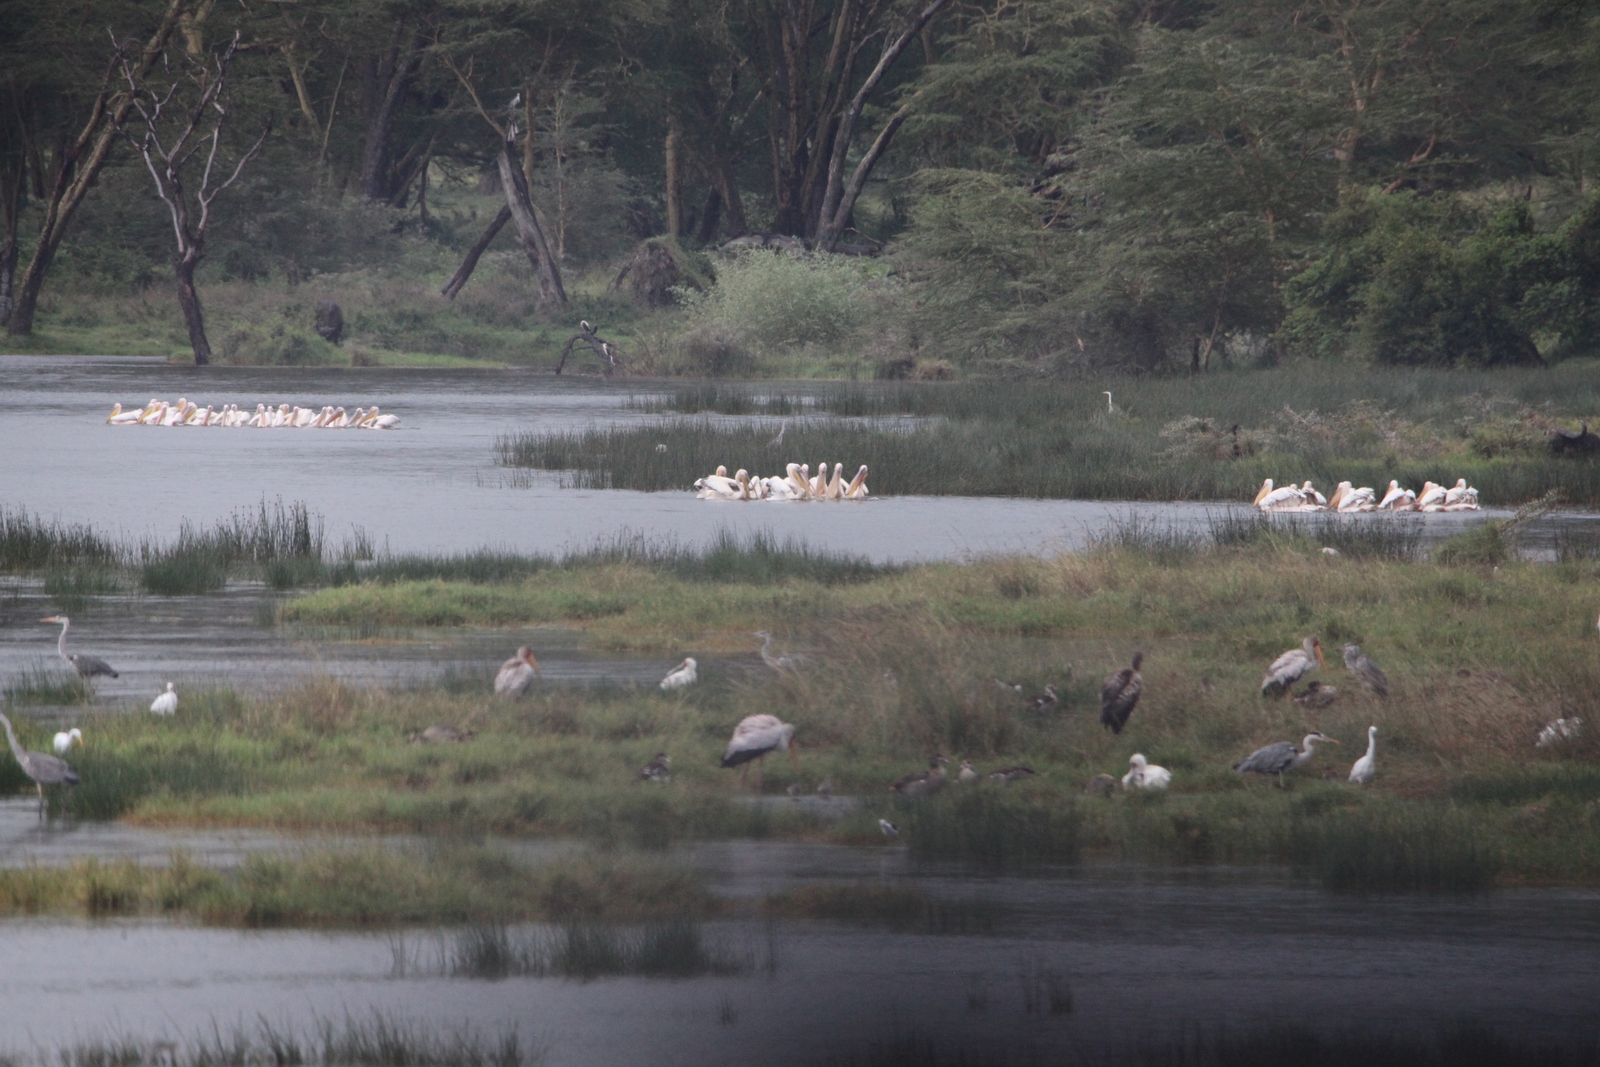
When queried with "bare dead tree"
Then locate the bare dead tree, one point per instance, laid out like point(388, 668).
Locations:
point(609, 361)
point(167, 160)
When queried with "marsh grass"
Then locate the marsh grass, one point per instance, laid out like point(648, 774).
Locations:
point(1390, 847)
point(675, 947)
point(995, 825)
point(46, 683)
point(31, 543)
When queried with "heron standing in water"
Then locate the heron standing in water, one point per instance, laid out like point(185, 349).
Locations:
point(86, 666)
point(42, 769)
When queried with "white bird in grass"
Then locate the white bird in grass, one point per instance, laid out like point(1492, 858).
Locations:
point(888, 829)
point(1111, 409)
point(166, 703)
point(42, 769)
point(516, 674)
point(1282, 756)
point(680, 676)
point(1564, 729)
point(1290, 667)
point(1366, 766)
point(64, 741)
point(753, 738)
point(1142, 774)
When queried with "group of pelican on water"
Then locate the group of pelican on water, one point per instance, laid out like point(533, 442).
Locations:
point(1349, 500)
point(186, 413)
point(797, 484)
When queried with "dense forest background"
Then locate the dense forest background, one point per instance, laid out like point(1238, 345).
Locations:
point(972, 186)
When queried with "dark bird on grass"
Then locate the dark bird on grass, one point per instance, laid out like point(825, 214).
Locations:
point(659, 769)
point(1371, 675)
point(42, 769)
point(1101, 785)
point(794, 790)
point(1317, 696)
point(1007, 775)
point(888, 829)
point(1046, 701)
point(86, 666)
point(1120, 695)
point(922, 783)
point(1282, 756)
point(1290, 667)
point(753, 738)
point(439, 733)
point(516, 674)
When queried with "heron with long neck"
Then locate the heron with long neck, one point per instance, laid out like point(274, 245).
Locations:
point(1277, 758)
point(86, 666)
point(42, 769)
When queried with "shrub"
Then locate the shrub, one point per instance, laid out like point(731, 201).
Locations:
point(774, 301)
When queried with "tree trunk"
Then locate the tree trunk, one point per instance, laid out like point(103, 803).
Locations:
point(8, 277)
point(533, 243)
point(674, 167)
point(189, 300)
point(458, 280)
point(732, 205)
point(387, 77)
point(78, 172)
point(709, 217)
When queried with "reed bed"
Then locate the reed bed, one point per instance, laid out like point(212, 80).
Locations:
point(673, 947)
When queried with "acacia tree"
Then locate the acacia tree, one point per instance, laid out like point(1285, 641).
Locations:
point(198, 129)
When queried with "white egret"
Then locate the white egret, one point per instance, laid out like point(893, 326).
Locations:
point(1111, 409)
point(1366, 766)
point(166, 703)
point(63, 742)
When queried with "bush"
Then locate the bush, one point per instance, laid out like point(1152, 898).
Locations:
point(774, 301)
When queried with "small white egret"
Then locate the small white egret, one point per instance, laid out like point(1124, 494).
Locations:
point(166, 703)
point(64, 741)
point(888, 829)
point(1366, 766)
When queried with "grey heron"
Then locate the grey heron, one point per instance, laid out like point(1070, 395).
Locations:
point(1120, 695)
point(1046, 701)
point(659, 769)
point(922, 783)
point(1290, 667)
point(1142, 774)
point(439, 733)
point(777, 441)
point(516, 674)
point(166, 703)
point(753, 738)
point(1366, 766)
point(86, 666)
point(1282, 756)
point(789, 661)
point(1317, 696)
point(1370, 674)
point(63, 741)
point(42, 769)
point(684, 674)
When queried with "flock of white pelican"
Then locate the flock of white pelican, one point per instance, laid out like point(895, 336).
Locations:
point(1348, 500)
point(797, 484)
point(186, 413)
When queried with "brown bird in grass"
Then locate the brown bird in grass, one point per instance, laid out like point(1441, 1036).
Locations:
point(922, 783)
point(1120, 695)
point(1371, 675)
point(1007, 775)
point(1317, 696)
point(439, 733)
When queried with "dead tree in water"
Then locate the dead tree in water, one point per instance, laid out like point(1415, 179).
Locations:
point(608, 355)
point(167, 160)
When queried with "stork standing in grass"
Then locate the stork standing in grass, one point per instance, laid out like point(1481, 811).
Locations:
point(753, 738)
point(516, 674)
point(1290, 667)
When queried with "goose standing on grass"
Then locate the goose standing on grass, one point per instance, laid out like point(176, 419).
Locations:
point(86, 666)
point(682, 675)
point(1370, 674)
point(1290, 667)
point(1282, 756)
point(42, 769)
point(753, 738)
point(63, 742)
point(1120, 695)
point(1142, 774)
point(1007, 775)
point(1366, 766)
point(516, 674)
point(922, 783)
point(789, 662)
point(166, 703)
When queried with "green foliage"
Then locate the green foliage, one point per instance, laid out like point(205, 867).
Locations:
point(1390, 847)
point(774, 301)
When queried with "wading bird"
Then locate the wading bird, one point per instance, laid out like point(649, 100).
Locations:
point(64, 741)
point(1120, 695)
point(439, 733)
point(888, 829)
point(1290, 667)
point(1111, 409)
point(1282, 756)
point(1317, 696)
point(516, 674)
point(166, 703)
point(789, 661)
point(1366, 766)
point(922, 783)
point(659, 769)
point(680, 676)
point(753, 738)
point(778, 440)
point(1142, 774)
point(42, 769)
point(1371, 675)
point(825, 788)
point(1046, 701)
point(86, 666)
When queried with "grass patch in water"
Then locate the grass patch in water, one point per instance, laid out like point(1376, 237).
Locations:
point(30, 543)
point(1394, 847)
point(994, 825)
point(673, 947)
point(46, 683)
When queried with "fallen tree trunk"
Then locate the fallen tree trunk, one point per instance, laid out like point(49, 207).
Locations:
point(534, 245)
point(458, 280)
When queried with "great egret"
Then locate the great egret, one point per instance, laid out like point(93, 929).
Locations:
point(166, 703)
point(1120, 695)
point(1282, 756)
point(684, 674)
point(1370, 674)
point(1366, 766)
point(1290, 667)
point(42, 769)
point(1046, 701)
point(753, 738)
point(86, 666)
point(788, 662)
point(659, 769)
point(1317, 696)
point(1142, 774)
point(516, 674)
point(922, 783)
point(439, 733)
point(64, 741)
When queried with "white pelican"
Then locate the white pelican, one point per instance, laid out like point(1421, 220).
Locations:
point(1266, 487)
point(1311, 495)
point(659, 769)
point(1290, 667)
point(384, 422)
point(1431, 494)
point(1285, 499)
point(1396, 499)
point(857, 489)
point(1119, 695)
point(835, 489)
point(1282, 756)
point(1370, 674)
point(199, 416)
point(64, 741)
point(86, 666)
point(717, 487)
point(1455, 493)
point(175, 414)
point(922, 783)
point(217, 416)
point(118, 417)
point(1564, 729)
point(753, 738)
point(1046, 701)
point(166, 703)
point(259, 418)
point(967, 773)
point(1366, 766)
point(680, 676)
point(817, 488)
point(1143, 774)
point(1355, 499)
point(153, 413)
point(516, 674)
